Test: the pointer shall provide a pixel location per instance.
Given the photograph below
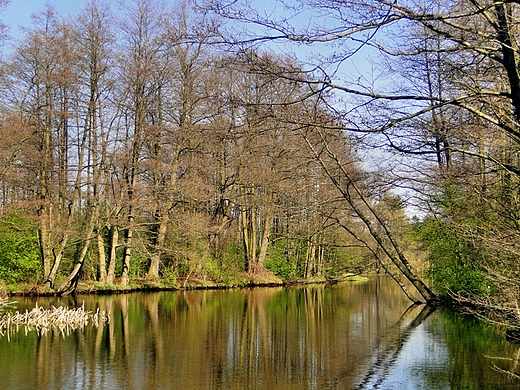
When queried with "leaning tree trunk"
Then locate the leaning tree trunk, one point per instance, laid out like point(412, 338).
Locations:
point(363, 209)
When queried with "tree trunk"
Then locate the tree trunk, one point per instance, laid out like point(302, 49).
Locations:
point(155, 258)
point(246, 239)
point(112, 260)
point(127, 254)
point(264, 244)
point(102, 256)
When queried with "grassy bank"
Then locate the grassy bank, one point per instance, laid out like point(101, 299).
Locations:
point(91, 287)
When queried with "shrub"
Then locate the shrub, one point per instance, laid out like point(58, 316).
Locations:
point(454, 261)
point(19, 251)
point(280, 264)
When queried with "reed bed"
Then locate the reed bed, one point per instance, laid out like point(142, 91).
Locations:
point(42, 320)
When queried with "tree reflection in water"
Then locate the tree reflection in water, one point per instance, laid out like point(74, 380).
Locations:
point(391, 343)
point(343, 336)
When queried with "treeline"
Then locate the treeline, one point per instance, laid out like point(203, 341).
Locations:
point(133, 147)
point(441, 105)
point(168, 146)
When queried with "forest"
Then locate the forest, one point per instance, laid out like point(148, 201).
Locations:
point(134, 149)
point(193, 145)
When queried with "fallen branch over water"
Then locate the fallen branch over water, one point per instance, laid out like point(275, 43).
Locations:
point(62, 318)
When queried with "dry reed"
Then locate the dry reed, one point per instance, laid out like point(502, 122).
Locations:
point(4, 302)
point(42, 320)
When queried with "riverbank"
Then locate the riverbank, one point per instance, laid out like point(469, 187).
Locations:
point(87, 288)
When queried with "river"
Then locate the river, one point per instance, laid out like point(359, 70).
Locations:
point(352, 335)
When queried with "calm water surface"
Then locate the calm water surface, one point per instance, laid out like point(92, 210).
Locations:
point(343, 336)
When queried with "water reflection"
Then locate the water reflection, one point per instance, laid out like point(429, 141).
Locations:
point(344, 336)
point(391, 344)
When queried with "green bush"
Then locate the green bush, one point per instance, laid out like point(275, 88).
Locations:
point(225, 272)
point(280, 264)
point(169, 277)
point(454, 262)
point(19, 251)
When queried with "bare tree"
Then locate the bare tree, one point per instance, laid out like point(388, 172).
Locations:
point(139, 65)
point(455, 111)
point(42, 91)
point(180, 114)
point(92, 40)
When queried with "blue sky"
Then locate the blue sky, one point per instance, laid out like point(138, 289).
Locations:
point(18, 12)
